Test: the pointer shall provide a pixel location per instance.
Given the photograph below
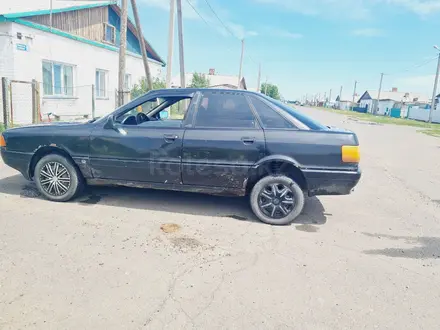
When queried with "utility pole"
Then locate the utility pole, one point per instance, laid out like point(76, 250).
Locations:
point(122, 51)
point(240, 73)
point(50, 14)
point(265, 86)
point(340, 97)
point(259, 78)
point(142, 44)
point(434, 92)
point(170, 43)
point(330, 96)
point(354, 93)
point(181, 55)
point(376, 108)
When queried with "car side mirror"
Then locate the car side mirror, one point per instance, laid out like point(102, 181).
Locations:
point(110, 123)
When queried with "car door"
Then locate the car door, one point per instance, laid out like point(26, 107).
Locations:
point(148, 152)
point(223, 142)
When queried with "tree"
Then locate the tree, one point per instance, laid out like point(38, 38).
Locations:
point(199, 80)
point(270, 90)
point(142, 87)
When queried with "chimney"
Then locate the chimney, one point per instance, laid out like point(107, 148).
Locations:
point(212, 72)
point(394, 89)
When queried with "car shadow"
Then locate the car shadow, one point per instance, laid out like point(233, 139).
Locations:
point(425, 247)
point(169, 201)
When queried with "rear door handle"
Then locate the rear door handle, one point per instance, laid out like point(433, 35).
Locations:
point(170, 137)
point(248, 140)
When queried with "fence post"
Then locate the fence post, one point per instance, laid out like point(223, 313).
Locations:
point(6, 101)
point(38, 99)
point(34, 102)
point(93, 101)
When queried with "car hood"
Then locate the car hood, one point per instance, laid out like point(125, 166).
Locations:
point(339, 129)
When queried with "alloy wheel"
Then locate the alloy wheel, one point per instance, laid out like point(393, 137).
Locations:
point(55, 179)
point(276, 200)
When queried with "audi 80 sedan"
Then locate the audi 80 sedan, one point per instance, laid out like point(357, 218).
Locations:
point(220, 142)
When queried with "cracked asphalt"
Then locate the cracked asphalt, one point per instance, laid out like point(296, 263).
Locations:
point(370, 260)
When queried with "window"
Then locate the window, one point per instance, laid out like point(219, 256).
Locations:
point(127, 82)
point(309, 122)
point(101, 83)
point(224, 109)
point(161, 112)
point(109, 33)
point(269, 117)
point(57, 79)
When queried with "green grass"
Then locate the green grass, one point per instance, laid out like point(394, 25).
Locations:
point(385, 120)
point(2, 127)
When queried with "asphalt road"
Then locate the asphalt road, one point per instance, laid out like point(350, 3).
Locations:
point(370, 260)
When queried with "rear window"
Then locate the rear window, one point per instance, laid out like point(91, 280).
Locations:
point(309, 122)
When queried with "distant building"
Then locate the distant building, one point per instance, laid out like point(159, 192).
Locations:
point(345, 102)
point(215, 81)
point(390, 99)
point(68, 49)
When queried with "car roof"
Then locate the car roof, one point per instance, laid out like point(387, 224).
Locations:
point(173, 91)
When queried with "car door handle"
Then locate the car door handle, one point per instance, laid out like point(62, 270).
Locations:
point(170, 137)
point(248, 140)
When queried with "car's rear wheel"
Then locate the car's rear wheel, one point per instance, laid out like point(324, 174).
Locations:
point(277, 200)
point(56, 178)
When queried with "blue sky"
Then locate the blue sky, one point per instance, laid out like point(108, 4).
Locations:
point(307, 46)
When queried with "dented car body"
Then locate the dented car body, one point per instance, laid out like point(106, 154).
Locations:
point(201, 140)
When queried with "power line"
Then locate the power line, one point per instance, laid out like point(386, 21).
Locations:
point(220, 20)
point(206, 22)
point(416, 66)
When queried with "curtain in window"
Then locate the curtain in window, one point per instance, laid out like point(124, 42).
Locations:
point(68, 80)
point(47, 78)
point(57, 78)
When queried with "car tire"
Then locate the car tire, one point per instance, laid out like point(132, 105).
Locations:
point(57, 178)
point(277, 200)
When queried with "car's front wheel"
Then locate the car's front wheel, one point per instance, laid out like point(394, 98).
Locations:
point(277, 200)
point(56, 178)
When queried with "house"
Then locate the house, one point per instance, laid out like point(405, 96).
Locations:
point(345, 102)
point(389, 100)
point(71, 50)
point(215, 81)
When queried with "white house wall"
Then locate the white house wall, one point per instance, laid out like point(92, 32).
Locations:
point(385, 106)
point(27, 65)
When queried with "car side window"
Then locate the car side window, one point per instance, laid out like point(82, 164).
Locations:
point(268, 116)
point(224, 110)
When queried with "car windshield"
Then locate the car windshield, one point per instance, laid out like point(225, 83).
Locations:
point(309, 122)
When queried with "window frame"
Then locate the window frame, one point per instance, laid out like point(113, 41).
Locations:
point(106, 25)
point(276, 111)
point(62, 87)
point(127, 82)
point(98, 96)
point(156, 110)
point(257, 125)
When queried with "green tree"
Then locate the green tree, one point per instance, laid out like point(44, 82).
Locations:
point(270, 90)
point(199, 80)
point(142, 87)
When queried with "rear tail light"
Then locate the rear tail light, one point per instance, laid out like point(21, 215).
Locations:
point(351, 154)
point(2, 141)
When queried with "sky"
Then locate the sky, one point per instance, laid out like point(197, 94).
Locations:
point(306, 46)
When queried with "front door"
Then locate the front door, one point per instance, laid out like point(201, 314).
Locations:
point(224, 143)
point(143, 147)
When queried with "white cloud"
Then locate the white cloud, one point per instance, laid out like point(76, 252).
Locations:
point(421, 7)
point(282, 33)
point(422, 84)
point(189, 13)
point(368, 32)
point(355, 9)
